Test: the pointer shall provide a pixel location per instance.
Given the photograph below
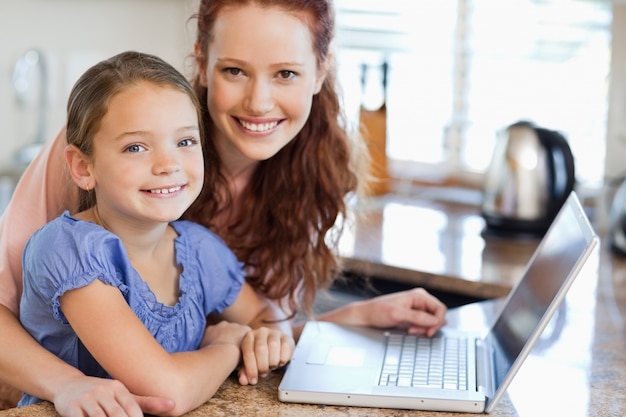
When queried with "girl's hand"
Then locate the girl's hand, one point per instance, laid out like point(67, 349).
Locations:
point(224, 332)
point(264, 350)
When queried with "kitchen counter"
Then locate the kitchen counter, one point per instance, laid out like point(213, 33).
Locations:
point(435, 244)
point(578, 368)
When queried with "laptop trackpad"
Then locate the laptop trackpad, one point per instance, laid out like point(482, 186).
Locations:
point(326, 354)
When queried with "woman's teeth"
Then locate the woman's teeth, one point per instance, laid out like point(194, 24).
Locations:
point(258, 127)
point(166, 190)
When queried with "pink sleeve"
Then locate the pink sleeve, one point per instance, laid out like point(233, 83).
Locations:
point(43, 192)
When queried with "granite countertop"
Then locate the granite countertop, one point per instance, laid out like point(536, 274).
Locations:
point(577, 369)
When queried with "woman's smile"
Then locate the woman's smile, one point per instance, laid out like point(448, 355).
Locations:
point(255, 126)
point(258, 127)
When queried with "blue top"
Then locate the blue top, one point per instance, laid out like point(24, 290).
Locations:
point(69, 253)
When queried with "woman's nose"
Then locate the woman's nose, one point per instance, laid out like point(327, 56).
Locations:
point(259, 98)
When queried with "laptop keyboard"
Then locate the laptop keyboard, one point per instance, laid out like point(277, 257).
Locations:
point(414, 361)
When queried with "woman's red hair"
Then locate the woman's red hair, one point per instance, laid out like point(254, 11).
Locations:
point(281, 231)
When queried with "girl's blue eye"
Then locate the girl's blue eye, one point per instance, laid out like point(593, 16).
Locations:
point(134, 148)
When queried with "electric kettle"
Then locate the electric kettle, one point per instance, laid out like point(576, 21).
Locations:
point(530, 175)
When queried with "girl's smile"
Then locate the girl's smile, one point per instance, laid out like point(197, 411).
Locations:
point(167, 190)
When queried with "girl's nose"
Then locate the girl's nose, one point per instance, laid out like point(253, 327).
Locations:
point(259, 100)
point(165, 162)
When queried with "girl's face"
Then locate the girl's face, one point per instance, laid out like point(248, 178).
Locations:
point(261, 75)
point(147, 163)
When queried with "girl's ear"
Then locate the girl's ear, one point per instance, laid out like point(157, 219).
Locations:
point(322, 71)
point(201, 63)
point(79, 167)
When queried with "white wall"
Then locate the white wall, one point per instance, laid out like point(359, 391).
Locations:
point(74, 34)
point(616, 124)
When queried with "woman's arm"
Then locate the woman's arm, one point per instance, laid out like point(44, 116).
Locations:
point(416, 309)
point(125, 348)
point(31, 368)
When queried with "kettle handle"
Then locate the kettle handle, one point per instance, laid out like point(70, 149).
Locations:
point(561, 167)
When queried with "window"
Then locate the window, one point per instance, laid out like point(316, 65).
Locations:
point(462, 70)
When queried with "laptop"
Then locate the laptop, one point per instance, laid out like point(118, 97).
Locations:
point(343, 365)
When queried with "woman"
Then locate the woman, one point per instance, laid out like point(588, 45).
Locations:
point(278, 169)
point(285, 162)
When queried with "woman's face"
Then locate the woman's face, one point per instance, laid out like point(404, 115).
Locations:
point(261, 74)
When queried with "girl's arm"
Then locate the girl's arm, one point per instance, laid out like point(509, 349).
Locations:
point(270, 344)
point(125, 348)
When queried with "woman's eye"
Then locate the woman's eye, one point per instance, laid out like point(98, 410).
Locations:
point(232, 71)
point(286, 74)
point(134, 148)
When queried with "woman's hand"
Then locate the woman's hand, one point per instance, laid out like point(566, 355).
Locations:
point(90, 396)
point(415, 309)
point(264, 350)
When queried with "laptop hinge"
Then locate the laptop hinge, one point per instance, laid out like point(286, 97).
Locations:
point(484, 371)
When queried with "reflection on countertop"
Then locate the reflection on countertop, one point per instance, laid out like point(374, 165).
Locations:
point(438, 245)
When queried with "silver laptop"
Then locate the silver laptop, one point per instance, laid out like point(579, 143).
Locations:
point(359, 366)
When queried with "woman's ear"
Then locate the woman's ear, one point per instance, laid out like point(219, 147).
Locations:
point(79, 167)
point(201, 63)
point(322, 71)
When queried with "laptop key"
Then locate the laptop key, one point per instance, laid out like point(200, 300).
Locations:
point(413, 361)
point(404, 381)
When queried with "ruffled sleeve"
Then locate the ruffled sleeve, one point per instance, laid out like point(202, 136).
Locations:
point(67, 254)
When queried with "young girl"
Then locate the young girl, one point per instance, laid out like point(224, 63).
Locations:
point(279, 165)
point(122, 288)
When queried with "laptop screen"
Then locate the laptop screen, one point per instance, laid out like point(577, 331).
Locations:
point(547, 277)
